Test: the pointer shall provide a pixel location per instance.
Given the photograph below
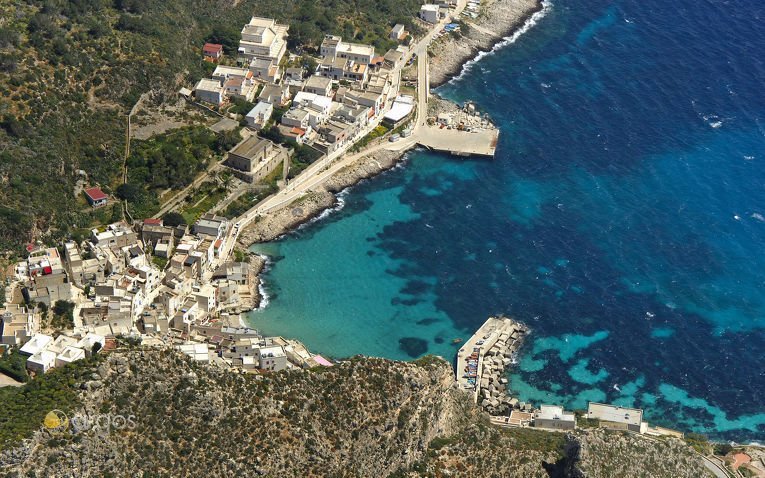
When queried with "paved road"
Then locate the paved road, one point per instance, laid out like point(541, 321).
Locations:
point(320, 171)
point(714, 468)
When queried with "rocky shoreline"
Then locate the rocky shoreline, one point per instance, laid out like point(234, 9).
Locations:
point(448, 58)
point(498, 20)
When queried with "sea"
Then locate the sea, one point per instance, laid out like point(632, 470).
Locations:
point(623, 220)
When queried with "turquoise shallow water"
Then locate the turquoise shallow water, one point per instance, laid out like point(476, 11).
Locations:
point(623, 220)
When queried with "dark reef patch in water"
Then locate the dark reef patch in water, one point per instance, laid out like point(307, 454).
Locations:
point(413, 346)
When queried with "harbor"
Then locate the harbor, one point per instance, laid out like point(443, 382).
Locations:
point(483, 359)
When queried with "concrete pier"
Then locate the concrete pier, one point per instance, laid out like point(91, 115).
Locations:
point(478, 142)
point(482, 361)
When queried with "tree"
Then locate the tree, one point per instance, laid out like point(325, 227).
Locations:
point(228, 139)
point(129, 192)
point(227, 36)
point(173, 219)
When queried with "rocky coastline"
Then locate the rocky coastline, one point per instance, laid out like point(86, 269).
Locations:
point(498, 20)
point(448, 56)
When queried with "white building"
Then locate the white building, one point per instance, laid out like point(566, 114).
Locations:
point(264, 38)
point(259, 115)
point(197, 352)
point(272, 358)
point(319, 85)
point(68, 355)
point(209, 91)
point(41, 361)
point(430, 13)
point(334, 47)
point(555, 418)
point(402, 107)
point(613, 416)
point(36, 344)
point(398, 32)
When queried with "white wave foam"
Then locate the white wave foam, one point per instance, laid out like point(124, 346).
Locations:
point(527, 25)
point(265, 299)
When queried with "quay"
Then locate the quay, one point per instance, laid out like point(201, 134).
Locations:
point(481, 142)
point(483, 359)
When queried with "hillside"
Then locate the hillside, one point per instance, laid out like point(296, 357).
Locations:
point(71, 71)
point(366, 417)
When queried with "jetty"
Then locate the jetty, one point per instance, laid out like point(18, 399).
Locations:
point(481, 142)
point(483, 359)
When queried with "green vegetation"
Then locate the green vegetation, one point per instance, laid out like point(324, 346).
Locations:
point(263, 189)
point(240, 255)
point(168, 161)
point(378, 132)
point(63, 315)
point(71, 71)
point(722, 449)
point(24, 408)
point(173, 219)
point(202, 200)
point(302, 157)
point(13, 364)
point(160, 262)
point(698, 441)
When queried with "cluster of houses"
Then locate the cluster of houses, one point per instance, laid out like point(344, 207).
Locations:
point(167, 284)
point(554, 417)
point(325, 109)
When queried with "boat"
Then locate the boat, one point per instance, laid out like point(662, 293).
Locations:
point(456, 341)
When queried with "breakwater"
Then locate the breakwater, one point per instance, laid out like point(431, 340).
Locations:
point(482, 361)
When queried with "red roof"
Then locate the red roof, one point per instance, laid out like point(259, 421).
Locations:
point(95, 194)
point(153, 222)
point(212, 48)
point(297, 131)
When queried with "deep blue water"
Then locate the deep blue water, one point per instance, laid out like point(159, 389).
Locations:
point(623, 220)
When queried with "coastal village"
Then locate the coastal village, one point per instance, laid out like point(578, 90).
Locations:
point(186, 286)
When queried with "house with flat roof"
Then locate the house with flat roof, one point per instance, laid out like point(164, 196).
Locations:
point(318, 85)
point(263, 38)
point(259, 115)
point(398, 32)
point(17, 324)
point(555, 418)
point(272, 358)
point(430, 13)
point(209, 91)
point(211, 225)
point(277, 95)
point(255, 158)
point(297, 118)
point(197, 352)
point(265, 69)
point(616, 417)
point(334, 47)
point(224, 72)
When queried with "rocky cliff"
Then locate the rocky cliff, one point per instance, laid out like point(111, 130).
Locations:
point(155, 413)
